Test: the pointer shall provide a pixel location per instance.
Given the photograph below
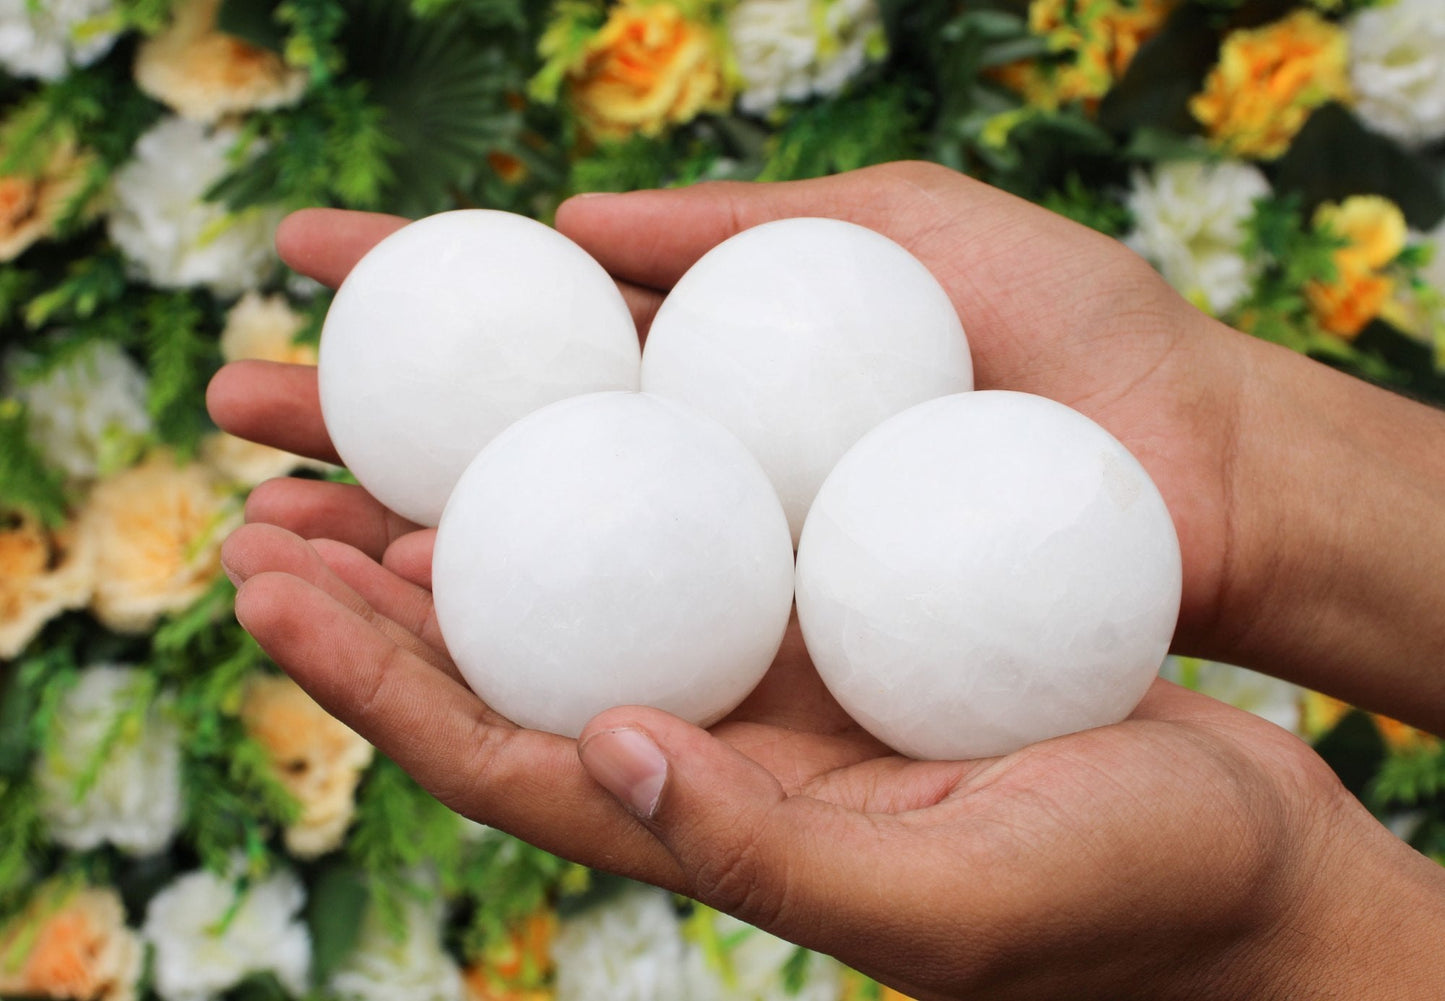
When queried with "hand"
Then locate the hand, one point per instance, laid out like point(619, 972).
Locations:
point(1189, 849)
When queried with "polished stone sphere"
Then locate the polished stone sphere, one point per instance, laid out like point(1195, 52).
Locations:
point(984, 571)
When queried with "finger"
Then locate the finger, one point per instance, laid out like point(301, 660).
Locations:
point(741, 842)
point(272, 403)
point(325, 244)
point(316, 509)
point(410, 557)
point(643, 303)
point(399, 600)
point(254, 549)
point(525, 782)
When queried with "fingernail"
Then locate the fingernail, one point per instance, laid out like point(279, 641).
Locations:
point(629, 765)
point(594, 194)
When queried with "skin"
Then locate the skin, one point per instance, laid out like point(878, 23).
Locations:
point(1191, 851)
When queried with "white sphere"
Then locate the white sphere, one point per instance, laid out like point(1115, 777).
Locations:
point(613, 549)
point(449, 330)
point(799, 336)
point(985, 571)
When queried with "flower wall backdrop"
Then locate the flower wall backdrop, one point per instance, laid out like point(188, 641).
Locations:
point(177, 819)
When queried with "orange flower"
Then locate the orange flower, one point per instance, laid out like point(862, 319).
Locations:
point(1322, 712)
point(205, 74)
point(317, 758)
point(41, 575)
point(1267, 82)
point(32, 203)
point(647, 68)
point(78, 947)
point(1376, 232)
point(1098, 39)
point(515, 968)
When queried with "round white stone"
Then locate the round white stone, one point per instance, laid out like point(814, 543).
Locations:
point(449, 330)
point(985, 571)
point(799, 336)
point(613, 549)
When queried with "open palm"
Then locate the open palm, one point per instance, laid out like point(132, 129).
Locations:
point(1079, 867)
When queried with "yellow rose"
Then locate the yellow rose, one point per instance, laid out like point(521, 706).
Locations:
point(32, 203)
point(73, 945)
point(156, 530)
point(204, 74)
point(42, 574)
point(1268, 81)
point(1376, 232)
point(317, 758)
point(647, 68)
point(1098, 39)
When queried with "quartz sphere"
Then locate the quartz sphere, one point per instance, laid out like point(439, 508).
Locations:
point(800, 335)
point(449, 330)
point(984, 571)
point(613, 549)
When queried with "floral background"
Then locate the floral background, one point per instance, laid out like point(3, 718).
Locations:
point(177, 819)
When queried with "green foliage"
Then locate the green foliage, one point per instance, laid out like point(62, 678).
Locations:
point(1409, 778)
point(182, 354)
point(334, 911)
point(866, 127)
point(489, 13)
point(506, 880)
point(26, 482)
point(1098, 209)
point(572, 25)
point(22, 842)
point(90, 284)
point(312, 29)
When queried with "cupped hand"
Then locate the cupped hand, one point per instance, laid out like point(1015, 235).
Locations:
point(1183, 852)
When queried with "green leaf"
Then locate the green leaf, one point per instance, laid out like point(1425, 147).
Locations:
point(183, 355)
point(334, 911)
point(857, 130)
point(252, 21)
point(1166, 72)
point(573, 25)
point(27, 483)
point(1354, 750)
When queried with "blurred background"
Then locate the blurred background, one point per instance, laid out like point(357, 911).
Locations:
point(177, 819)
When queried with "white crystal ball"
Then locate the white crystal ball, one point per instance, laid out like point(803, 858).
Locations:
point(613, 549)
point(799, 336)
point(449, 330)
point(984, 571)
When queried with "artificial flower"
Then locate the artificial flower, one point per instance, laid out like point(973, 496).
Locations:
point(111, 772)
point(71, 944)
point(1269, 80)
point(264, 328)
point(208, 933)
point(1189, 222)
point(1374, 232)
point(32, 203)
point(747, 964)
point(410, 967)
point(1397, 67)
point(47, 39)
point(1322, 712)
point(517, 967)
point(156, 530)
point(648, 67)
point(42, 573)
point(317, 758)
point(87, 416)
point(203, 74)
point(1092, 44)
point(633, 943)
point(790, 50)
point(172, 237)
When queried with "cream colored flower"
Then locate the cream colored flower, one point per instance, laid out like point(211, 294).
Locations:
point(204, 74)
point(414, 967)
point(263, 328)
point(790, 50)
point(42, 573)
point(633, 943)
point(98, 784)
point(47, 38)
point(71, 945)
point(316, 757)
point(1397, 65)
point(32, 203)
point(157, 530)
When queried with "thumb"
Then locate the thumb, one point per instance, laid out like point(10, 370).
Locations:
point(741, 843)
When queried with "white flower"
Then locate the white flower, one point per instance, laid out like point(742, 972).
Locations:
point(207, 941)
point(1270, 698)
point(751, 966)
point(174, 238)
point(1189, 222)
point(45, 39)
point(1397, 67)
point(87, 416)
point(101, 784)
point(631, 947)
point(414, 967)
point(790, 50)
